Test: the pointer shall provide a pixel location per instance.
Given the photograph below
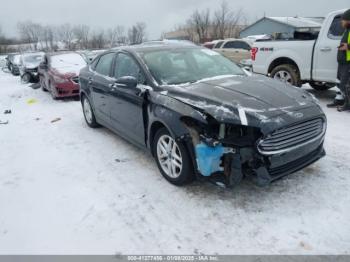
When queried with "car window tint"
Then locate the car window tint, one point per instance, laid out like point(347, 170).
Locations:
point(219, 44)
point(127, 66)
point(336, 30)
point(231, 44)
point(243, 45)
point(103, 66)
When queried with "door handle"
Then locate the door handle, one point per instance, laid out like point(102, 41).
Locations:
point(326, 49)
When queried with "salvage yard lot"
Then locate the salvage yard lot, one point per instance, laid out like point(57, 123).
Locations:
point(69, 189)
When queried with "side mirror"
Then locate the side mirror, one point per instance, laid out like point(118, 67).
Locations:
point(126, 82)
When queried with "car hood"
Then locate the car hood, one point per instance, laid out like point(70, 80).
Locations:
point(246, 100)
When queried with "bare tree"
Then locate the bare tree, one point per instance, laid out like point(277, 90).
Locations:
point(30, 32)
point(98, 40)
point(66, 35)
point(116, 35)
point(81, 34)
point(226, 21)
point(200, 23)
point(137, 33)
point(47, 37)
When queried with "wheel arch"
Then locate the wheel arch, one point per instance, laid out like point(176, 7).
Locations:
point(280, 61)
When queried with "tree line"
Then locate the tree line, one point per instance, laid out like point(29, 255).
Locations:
point(74, 37)
point(206, 25)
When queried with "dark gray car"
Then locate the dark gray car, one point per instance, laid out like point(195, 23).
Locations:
point(200, 115)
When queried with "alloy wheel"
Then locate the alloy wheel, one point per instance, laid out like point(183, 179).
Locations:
point(283, 76)
point(169, 156)
point(87, 111)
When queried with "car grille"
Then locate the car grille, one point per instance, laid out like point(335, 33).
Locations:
point(75, 79)
point(292, 137)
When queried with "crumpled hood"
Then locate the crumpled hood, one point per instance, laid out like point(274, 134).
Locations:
point(248, 100)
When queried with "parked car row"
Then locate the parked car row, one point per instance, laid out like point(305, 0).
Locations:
point(199, 114)
point(236, 50)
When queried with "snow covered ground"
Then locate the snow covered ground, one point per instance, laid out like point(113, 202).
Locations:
point(69, 189)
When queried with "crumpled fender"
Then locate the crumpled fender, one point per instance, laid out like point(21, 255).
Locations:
point(169, 111)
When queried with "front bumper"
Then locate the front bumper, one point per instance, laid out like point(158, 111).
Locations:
point(298, 164)
point(67, 89)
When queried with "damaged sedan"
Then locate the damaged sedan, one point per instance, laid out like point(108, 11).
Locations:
point(201, 116)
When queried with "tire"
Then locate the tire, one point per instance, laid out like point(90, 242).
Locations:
point(319, 86)
point(287, 73)
point(175, 174)
point(88, 112)
point(26, 78)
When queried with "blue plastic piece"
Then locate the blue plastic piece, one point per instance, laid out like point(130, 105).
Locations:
point(209, 158)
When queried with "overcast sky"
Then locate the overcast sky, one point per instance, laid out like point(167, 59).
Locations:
point(159, 15)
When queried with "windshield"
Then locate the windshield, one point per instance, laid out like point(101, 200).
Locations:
point(17, 59)
point(67, 60)
point(187, 65)
point(33, 59)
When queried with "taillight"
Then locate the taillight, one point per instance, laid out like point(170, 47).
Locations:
point(253, 53)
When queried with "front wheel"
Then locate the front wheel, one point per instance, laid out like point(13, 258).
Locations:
point(172, 158)
point(287, 73)
point(89, 113)
point(26, 78)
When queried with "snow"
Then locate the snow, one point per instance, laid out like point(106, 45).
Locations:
point(68, 63)
point(69, 189)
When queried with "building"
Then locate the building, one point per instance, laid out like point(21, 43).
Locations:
point(283, 27)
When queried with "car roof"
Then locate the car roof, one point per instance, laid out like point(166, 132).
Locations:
point(154, 47)
point(61, 53)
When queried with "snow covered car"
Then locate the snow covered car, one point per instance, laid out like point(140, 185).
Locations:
point(59, 73)
point(28, 67)
point(13, 62)
point(200, 115)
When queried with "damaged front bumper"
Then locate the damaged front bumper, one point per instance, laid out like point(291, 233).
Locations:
point(229, 160)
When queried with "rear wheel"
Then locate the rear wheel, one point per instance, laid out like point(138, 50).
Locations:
point(89, 113)
point(321, 86)
point(287, 73)
point(172, 158)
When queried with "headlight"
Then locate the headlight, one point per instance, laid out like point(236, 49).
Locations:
point(59, 80)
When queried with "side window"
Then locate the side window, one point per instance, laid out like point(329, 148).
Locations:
point(243, 45)
point(94, 63)
point(219, 44)
point(103, 66)
point(336, 30)
point(127, 66)
point(232, 44)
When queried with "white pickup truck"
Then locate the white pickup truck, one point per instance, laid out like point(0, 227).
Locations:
point(302, 61)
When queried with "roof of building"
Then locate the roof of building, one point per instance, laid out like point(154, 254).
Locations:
point(296, 22)
point(299, 21)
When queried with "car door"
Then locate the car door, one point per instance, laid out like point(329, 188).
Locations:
point(100, 82)
point(243, 49)
point(325, 56)
point(126, 103)
point(231, 50)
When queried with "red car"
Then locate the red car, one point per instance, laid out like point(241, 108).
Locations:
point(59, 74)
